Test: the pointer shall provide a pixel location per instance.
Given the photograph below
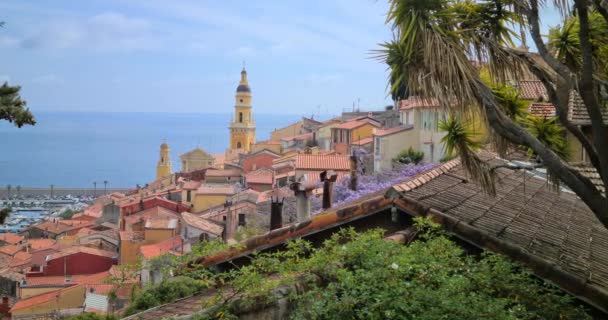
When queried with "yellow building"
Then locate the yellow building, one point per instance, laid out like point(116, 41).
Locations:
point(242, 127)
point(164, 168)
point(196, 159)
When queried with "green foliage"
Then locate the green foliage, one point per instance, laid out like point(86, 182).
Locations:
point(550, 133)
point(4, 213)
point(409, 156)
point(67, 214)
point(362, 276)
point(565, 43)
point(165, 292)
point(92, 316)
point(12, 108)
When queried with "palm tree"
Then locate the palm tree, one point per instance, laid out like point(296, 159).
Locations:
point(105, 187)
point(438, 42)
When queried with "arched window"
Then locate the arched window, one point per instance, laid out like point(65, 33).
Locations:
point(238, 145)
point(240, 117)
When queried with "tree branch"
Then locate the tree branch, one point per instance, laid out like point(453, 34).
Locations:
point(534, 23)
point(587, 90)
point(504, 126)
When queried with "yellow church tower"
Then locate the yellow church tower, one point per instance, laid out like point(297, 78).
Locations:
point(242, 127)
point(164, 168)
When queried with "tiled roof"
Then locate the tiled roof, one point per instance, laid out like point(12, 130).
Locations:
point(155, 212)
point(322, 162)
point(61, 226)
point(10, 249)
point(202, 224)
point(261, 176)
point(363, 142)
point(23, 256)
point(300, 137)
point(577, 111)
point(191, 185)
point(216, 189)
point(40, 244)
point(11, 238)
point(591, 173)
point(532, 90)
point(81, 249)
point(269, 142)
point(418, 102)
point(314, 177)
point(58, 280)
point(223, 173)
point(555, 234)
point(353, 124)
point(389, 131)
point(171, 245)
point(53, 295)
point(279, 192)
point(542, 109)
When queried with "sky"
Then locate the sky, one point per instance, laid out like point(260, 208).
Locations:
point(302, 57)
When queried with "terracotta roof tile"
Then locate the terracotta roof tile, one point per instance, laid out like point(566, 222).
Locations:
point(81, 249)
point(161, 223)
point(11, 238)
point(41, 244)
point(418, 102)
point(353, 124)
point(577, 111)
point(202, 223)
point(171, 245)
point(154, 212)
point(322, 162)
point(10, 249)
point(221, 189)
point(532, 90)
point(363, 142)
point(191, 185)
point(131, 235)
point(261, 176)
point(223, 173)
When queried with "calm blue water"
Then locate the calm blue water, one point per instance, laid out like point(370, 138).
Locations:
point(72, 149)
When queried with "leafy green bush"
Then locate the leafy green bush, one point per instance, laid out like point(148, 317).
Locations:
point(409, 156)
point(362, 276)
point(165, 292)
point(67, 214)
point(92, 316)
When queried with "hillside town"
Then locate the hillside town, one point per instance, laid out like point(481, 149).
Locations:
point(62, 266)
point(465, 211)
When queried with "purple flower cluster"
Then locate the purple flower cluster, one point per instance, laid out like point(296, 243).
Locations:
point(368, 184)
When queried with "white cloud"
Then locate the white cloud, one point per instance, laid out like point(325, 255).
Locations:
point(107, 31)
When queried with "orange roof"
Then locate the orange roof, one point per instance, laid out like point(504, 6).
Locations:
point(262, 176)
point(50, 296)
point(280, 193)
point(313, 177)
point(154, 212)
point(171, 245)
point(10, 238)
point(353, 124)
point(363, 141)
point(322, 162)
point(23, 256)
point(202, 223)
point(389, 131)
point(271, 142)
point(39, 244)
point(131, 235)
point(542, 109)
point(81, 249)
point(57, 280)
point(223, 173)
point(11, 249)
point(418, 102)
point(161, 223)
point(532, 90)
point(304, 136)
point(61, 226)
point(191, 185)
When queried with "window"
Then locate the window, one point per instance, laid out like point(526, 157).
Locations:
point(241, 100)
point(189, 196)
point(238, 145)
point(240, 117)
point(241, 219)
point(335, 132)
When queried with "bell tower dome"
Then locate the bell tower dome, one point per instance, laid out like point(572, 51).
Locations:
point(164, 167)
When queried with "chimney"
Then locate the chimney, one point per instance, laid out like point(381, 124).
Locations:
point(353, 172)
point(230, 227)
point(276, 213)
point(328, 178)
point(302, 193)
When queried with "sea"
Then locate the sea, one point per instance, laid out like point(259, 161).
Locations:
point(75, 149)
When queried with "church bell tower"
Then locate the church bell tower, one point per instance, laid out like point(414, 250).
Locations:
point(242, 126)
point(164, 168)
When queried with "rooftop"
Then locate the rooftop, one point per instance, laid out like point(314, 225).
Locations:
point(202, 223)
point(418, 102)
point(81, 249)
point(353, 124)
point(155, 212)
point(261, 176)
point(223, 173)
point(322, 162)
point(220, 189)
point(171, 245)
point(11, 238)
point(391, 131)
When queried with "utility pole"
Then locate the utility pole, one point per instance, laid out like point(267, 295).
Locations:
point(105, 187)
point(8, 191)
point(52, 189)
point(94, 189)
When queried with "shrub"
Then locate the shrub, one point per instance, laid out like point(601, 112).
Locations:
point(164, 292)
point(409, 156)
